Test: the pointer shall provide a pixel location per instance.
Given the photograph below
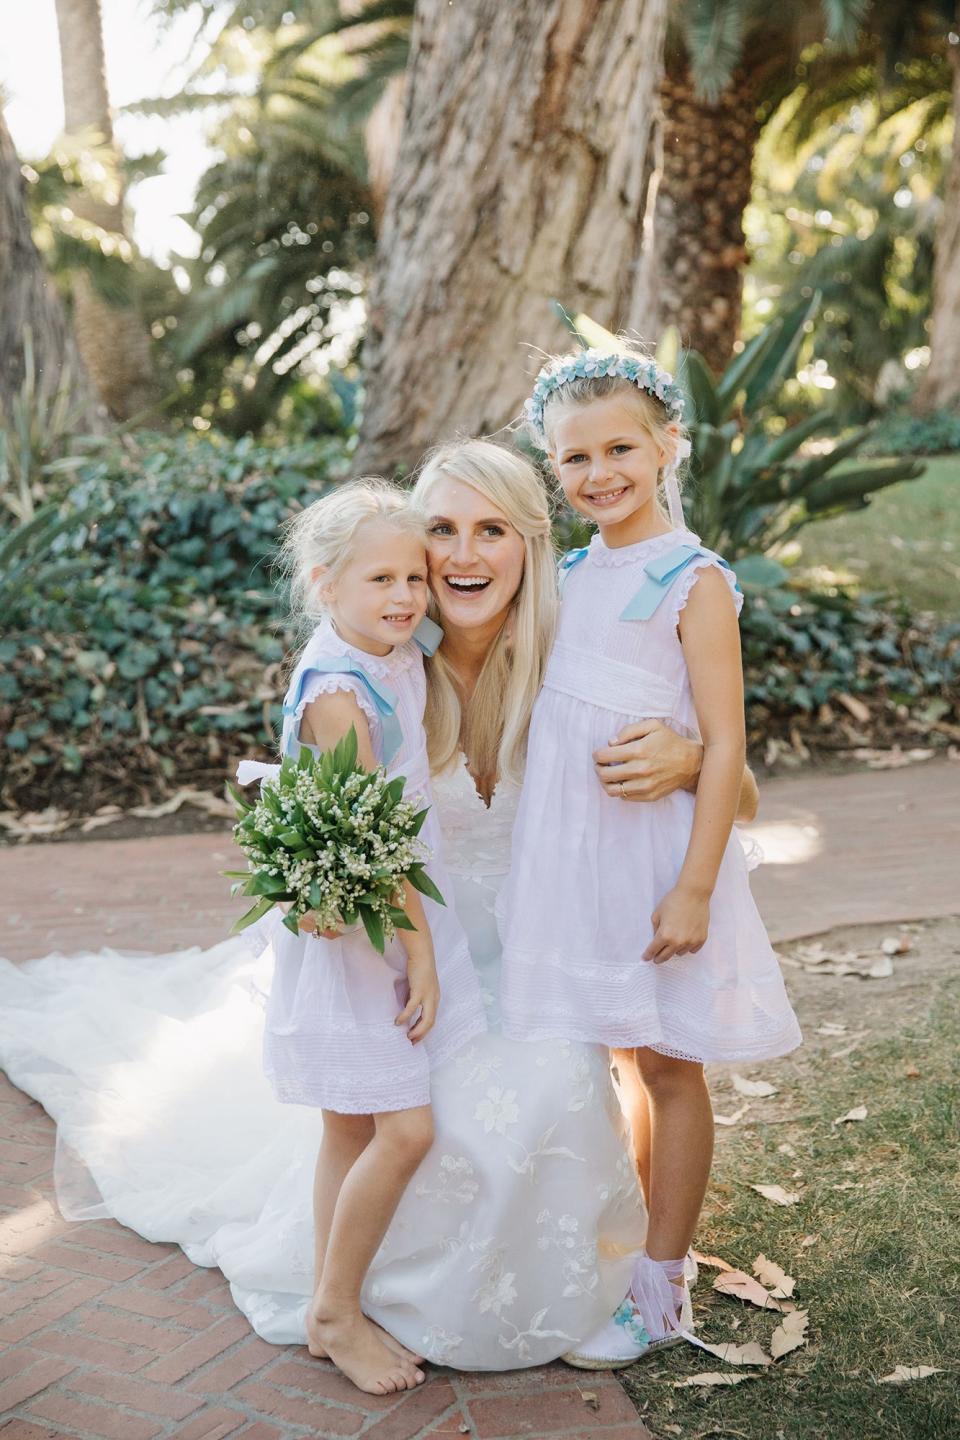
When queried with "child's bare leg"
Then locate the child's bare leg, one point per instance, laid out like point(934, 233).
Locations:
point(345, 1137)
point(636, 1107)
point(680, 1150)
point(369, 1196)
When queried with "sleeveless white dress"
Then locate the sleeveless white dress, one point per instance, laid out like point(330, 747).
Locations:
point(514, 1238)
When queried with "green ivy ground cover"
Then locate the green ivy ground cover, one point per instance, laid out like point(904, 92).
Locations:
point(144, 646)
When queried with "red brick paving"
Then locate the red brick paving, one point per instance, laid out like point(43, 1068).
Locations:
point(105, 1336)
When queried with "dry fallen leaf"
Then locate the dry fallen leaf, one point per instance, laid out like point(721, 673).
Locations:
point(809, 1240)
point(859, 1112)
point(903, 1373)
point(756, 1089)
point(855, 707)
point(911, 1072)
point(589, 1398)
point(712, 1262)
point(778, 1282)
point(776, 1194)
point(712, 1377)
point(787, 1149)
point(743, 1287)
point(896, 944)
point(749, 1354)
point(829, 1028)
point(789, 1334)
point(731, 1119)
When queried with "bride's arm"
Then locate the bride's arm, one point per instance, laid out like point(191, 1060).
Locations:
point(650, 761)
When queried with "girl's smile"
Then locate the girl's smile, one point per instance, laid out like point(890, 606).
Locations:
point(608, 464)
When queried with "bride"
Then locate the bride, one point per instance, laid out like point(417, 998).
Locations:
point(517, 1235)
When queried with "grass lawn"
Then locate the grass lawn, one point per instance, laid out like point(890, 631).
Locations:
point(880, 1276)
point(907, 541)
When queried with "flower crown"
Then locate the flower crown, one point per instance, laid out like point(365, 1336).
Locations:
point(595, 364)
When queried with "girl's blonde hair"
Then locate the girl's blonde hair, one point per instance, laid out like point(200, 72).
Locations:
point(652, 412)
point(327, 532)
point(492, 729)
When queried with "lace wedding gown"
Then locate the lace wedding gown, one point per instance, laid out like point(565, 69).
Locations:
point(514, 1237)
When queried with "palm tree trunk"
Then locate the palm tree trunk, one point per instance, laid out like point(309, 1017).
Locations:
point(112, 338)
point(692, 274)
point(31, 312)
point(522, 177)
point(940, 386)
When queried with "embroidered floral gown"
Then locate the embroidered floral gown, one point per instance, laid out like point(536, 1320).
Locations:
point(514, 1237)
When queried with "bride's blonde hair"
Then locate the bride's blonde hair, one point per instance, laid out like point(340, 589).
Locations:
point(492, 729)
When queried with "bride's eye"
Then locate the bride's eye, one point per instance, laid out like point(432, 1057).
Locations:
point(494, 530)
point(441, 528)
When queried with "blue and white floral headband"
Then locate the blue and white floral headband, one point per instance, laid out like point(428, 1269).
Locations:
point(645, 374)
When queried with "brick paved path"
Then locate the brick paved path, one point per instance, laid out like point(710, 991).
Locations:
point(104, 1336)
point(108, 1337)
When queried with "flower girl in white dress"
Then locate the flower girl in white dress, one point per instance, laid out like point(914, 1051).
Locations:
point(349, 1030)
point(634, 925)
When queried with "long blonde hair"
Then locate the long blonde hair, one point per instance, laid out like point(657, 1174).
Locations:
point(492, 729)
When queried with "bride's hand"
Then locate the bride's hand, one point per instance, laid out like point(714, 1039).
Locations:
point(308, 923)
point(647, 761)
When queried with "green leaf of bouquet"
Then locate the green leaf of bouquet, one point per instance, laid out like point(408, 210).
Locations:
point(416, 824)
point(316, 895)
point(292, 921)
point(394, 791)
point(421, 881)
point(272, 885)
point(235, 874)
point(305, 758)
point(400, 919)
point(345, 754)
point(290, 837)
point(374, 928)
point(239, 799)
point(255, 913)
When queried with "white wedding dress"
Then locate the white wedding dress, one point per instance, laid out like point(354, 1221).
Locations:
point(515, 1237)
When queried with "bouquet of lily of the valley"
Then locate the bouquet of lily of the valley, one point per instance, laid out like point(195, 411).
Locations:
point(334, 839)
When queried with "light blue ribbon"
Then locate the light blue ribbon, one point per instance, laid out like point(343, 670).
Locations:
point(384, 700)
point(566, 563)
point(428, 636)
point(661, 574)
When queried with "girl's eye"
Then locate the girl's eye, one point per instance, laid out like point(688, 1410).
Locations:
point(621, 447)
point(417, 579)
point(495, 530)
point(441, 528)
point(379, 579)
point(575, 459)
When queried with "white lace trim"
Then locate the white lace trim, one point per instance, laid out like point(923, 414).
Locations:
point(383, 667)
point(319, 684)
point(679, 592)
point(642, 550)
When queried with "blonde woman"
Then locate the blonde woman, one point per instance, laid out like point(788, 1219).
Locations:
point(517, 1233)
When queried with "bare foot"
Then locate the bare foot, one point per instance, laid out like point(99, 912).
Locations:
point(354, 1346)
point(391, 1342)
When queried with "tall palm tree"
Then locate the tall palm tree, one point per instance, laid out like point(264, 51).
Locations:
point(112, 338)
point(729, 63)
point(941, 383)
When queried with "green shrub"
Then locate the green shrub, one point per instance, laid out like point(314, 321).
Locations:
point(144, 642)
point(901, 433)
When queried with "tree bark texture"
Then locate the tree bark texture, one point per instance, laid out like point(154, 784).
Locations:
point(522, 177)
point(692, 272)
point(31, 306)
point(112, 338)
point(940, 385)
